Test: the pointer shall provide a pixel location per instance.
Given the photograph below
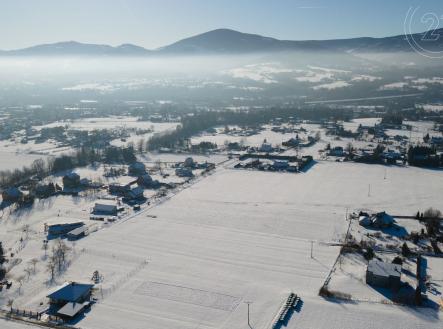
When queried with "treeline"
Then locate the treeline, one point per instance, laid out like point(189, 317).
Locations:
point(424, 156)
point(201, 121)
point(82, 157)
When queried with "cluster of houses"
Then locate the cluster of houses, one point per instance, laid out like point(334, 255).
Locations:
point(185, 168)
point(273, 162)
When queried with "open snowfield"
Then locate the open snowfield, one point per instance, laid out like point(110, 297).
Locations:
point(236, 236)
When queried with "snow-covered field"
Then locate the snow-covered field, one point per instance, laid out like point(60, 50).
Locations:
point(237, 236)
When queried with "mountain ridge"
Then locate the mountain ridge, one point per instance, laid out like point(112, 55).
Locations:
point(227, 41)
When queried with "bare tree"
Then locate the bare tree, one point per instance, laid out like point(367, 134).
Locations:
point(33, 262)
point(10, 303)
point(141, 145)
point(51, 268)
point(28, 272)
point(20, 279)
point(38, 166)
point(349, 148)
point(158, 166)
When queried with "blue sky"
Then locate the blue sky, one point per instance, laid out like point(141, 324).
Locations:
point(154, 23)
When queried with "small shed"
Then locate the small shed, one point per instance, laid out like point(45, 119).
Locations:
point(385, 275)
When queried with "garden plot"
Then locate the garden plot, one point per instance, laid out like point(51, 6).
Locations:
point(189, 295)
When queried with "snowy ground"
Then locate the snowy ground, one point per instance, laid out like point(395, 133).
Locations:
point(236, 236)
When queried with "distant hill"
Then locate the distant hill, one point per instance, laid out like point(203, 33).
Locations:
point(73, 48)
point(225, 41)
point(229, 41)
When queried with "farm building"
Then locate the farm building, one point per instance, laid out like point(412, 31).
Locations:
point(77, 233)
point(12, 194)
point(385, 275)
point(71, 298)
point(60, 229)
point(105, 209)
point(71, 180)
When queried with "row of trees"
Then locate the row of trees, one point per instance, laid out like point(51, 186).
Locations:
point(424, 156)
point(204, 120)
point(82, 157)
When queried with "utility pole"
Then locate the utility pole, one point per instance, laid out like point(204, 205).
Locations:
point(248, 303)
point(312, 249)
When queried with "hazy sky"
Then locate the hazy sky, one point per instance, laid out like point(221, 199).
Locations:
point(155, 23)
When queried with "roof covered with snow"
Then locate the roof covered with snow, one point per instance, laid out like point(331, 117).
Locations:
point(383, 269)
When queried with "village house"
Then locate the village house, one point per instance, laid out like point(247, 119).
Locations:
point(70, 299)
point(384, 275)
point(183, 172)
point(136, 169)
point(71, 180)
point(337, 151)
point(134, 193)
point(118, 189)
point(11, 194)
point(189, 163)
point(266, 148)
point(280, 165)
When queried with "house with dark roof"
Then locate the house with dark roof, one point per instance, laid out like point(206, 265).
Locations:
point(73, 292)
point(70, 299)
point(71, 180)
